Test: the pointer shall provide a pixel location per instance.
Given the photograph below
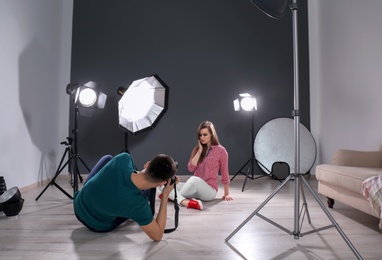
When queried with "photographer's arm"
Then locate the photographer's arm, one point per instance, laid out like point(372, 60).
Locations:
point(156, 228)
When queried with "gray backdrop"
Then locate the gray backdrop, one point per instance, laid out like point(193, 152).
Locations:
point(206, 51)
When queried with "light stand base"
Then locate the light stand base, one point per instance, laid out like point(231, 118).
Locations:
point(72, 158)
point(251, 161)
point(297, 223)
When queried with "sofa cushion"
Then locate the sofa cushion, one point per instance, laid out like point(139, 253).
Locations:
point(346, 177)
point(357, 158)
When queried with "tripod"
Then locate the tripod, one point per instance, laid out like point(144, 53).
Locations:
point(72, 162)
point(297, 176)
point(251, 161)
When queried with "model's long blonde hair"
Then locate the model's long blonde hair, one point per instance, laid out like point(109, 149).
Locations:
point(214, 139)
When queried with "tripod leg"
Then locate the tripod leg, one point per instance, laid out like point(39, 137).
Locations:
point(245, 181)
point(297, 234)
point(84, 163)
point(46, 187)
point(58, 171)
point(79, 175)
point(332, 220)
point(76, 172)
point(304, 205)
point(74, 169)
point(52, 182)
point(63, 191)
point(241, 169)
point(259, 208)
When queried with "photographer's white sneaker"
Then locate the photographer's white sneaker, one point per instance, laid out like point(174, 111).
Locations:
point(195, 204)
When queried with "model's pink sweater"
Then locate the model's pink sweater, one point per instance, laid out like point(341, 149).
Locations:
point(208, 169)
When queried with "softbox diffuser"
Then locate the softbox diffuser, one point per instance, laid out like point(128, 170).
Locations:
point(143, 104)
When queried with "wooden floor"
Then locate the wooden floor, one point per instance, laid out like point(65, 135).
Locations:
point(48, 229)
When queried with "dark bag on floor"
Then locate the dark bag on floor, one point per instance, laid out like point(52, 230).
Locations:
point(280, 170)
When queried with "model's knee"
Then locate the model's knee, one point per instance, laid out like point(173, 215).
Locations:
point(193, 179)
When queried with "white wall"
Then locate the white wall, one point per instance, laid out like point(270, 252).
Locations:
point(35, 51)
point(346, 75)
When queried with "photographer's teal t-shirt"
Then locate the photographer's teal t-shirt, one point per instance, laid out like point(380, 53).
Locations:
point(111, 194)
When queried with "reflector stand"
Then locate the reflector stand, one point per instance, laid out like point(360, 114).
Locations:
point(276, 9)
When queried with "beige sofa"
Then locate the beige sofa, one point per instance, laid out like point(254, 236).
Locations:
point(342, 180)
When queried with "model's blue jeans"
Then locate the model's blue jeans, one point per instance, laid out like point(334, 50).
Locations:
point(99, 165)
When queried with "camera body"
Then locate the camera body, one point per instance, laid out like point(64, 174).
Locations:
point(173, 179)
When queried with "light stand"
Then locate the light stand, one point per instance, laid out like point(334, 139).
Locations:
point(250, 163)
point(76, 156)
point(273, 6)
point(88, 97)
point(121, 91)
point(73, 158)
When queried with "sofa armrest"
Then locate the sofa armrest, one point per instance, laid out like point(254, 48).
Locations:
point(343, 157)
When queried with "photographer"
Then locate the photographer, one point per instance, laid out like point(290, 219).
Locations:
point(113, 194)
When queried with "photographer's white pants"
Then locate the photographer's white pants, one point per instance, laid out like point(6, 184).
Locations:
point(194, 187)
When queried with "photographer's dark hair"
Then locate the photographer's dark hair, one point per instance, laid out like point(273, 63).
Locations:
point(161, 168)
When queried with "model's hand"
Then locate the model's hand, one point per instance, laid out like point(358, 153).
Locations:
point(200, 146)
point(227, 197)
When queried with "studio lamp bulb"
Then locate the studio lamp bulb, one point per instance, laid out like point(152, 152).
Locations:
point(245, 102)
point(87, 97)
point(248, 104)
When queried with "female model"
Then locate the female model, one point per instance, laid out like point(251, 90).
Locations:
point(207, 158)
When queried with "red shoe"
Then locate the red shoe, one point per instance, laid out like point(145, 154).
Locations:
point(161, 195)
point(195, 204)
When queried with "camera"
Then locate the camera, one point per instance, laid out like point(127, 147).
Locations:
point(173, 179)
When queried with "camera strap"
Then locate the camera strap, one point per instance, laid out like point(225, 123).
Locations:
point(176, 208)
